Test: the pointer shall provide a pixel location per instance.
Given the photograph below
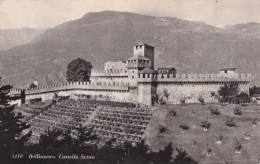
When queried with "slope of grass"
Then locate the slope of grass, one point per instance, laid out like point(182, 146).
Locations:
point(192, 115)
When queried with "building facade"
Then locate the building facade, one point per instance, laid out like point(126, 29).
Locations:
point(137, 81)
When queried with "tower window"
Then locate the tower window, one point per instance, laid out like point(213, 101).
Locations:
point(225, 71)
point(133, 77)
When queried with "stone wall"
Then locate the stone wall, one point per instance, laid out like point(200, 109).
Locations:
point(192, 91)
point(190, 87)
point(103, 91)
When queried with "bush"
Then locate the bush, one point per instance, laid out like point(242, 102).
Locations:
point(173, 113)
point(242, 98)
point(214, 110)
point(182, 101)
point(230, 122)
point(184, 126)
point(205, 124)
point(201, 100)
point(237, 111)
point(238, 145)
point(254, 122)
point(162, 129)
point(220, 138)
point(228, 92)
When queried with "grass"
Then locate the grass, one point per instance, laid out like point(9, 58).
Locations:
point(220, 152)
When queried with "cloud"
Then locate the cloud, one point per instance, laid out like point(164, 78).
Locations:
point(49, 13)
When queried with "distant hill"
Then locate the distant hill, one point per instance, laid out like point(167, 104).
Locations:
point(193, 47)
point(10, 38)
point(249, 30)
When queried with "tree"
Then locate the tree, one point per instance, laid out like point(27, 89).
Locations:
point(78, 70)
point(166, 94)
point(13, 134)
point(242, 98)
point(228, 92)
point(142, 154)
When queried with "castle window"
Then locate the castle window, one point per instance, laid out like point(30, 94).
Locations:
point(143, 75)
point(148, 75)
point(225, 71)
point(133, 77)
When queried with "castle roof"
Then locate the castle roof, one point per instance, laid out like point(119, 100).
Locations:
point(138, 57)
point(230, 68)
point(166, 67)
point(143, 44)
point(147, 71)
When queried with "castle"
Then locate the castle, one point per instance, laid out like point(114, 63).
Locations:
point(136, 80)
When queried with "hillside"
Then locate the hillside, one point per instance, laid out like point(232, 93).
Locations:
point(194, 141)
point(249, 30)
point(193, 47)
point(14, 37)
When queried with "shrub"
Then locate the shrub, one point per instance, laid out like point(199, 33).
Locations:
point(201, 100)
point(182, 100)
point(228, 92)
point(205, 124)
point(184, 126)
point(238, 145)
point(173, 113)
point(162, 129)
point(237, 111)
point(230, 122)
point(215, 111)
point(194, 142)
point(162, 101)
point(254, 122)
point(220, 138)
point(242, 98)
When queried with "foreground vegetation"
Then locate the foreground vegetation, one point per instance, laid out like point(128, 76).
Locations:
point(208, 133)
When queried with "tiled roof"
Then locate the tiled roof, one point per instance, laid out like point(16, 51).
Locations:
point(143, 44)
point(147, 71)
point(231, 68)
point(138, 57)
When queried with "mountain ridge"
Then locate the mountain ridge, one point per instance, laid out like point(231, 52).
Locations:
point(10, 38)
point(193, 47)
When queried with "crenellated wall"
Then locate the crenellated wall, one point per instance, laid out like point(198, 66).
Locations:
point(195, 77)
point(190, 87)
point(113, 91)
point(109, 73)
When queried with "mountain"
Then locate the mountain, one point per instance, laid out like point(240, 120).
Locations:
point(10, 38)
point(249, 30)
point(193, 47)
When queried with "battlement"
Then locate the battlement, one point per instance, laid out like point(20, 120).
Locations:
point(109, 86)
point(119, 72)
point(193, 77)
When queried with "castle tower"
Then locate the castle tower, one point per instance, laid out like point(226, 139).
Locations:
point(145, 50)
point(143, 57)
point(147, 84)
point(228, 72)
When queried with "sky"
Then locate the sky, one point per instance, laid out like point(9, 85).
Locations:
point(50, 13)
